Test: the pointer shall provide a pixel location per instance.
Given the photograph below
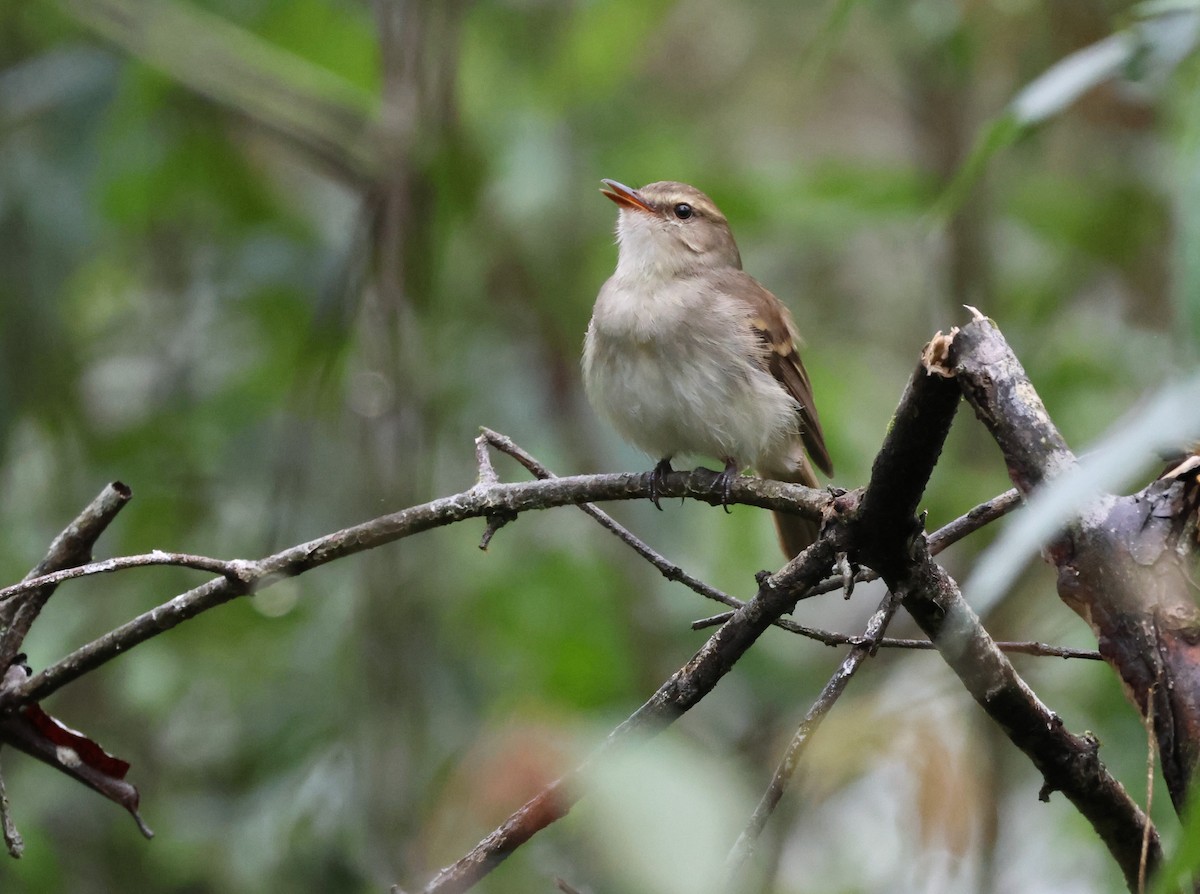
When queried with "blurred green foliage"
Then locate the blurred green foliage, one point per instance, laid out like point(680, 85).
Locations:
point(272, 264)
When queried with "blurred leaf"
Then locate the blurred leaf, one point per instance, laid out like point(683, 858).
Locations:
point(1146, 52)
point(664, 815)
point(322, 112)
point(1068, 80)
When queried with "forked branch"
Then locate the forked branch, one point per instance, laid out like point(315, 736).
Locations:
point(880, 529)
point(1126, 564)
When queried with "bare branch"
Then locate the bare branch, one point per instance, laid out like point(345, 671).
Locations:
point(971, 521)
point(74, 544)
point(1124, 565)
point(902, 469)
point(483, 459)
point(884, 530)
point(893, 546)
point(1045, 650)
point(947, 535)
point(120, 563)
point(833, 638)
point(668, 569)
point(241, 577)
point(71, 547)
point(13, 842)
point(994, 383)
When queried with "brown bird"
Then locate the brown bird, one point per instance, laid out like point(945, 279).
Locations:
point(687, 353)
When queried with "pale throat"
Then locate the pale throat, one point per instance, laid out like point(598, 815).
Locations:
point(649, 253)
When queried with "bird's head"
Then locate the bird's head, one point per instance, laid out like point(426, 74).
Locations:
point(668, 228)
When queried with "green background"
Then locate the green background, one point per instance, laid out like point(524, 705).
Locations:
point(272, 264)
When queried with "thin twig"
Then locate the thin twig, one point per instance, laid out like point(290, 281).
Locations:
point(487, 478)
point(947, 535)
point(833, 638)
point(744, 846)
point(1151, 744)
point(13, 841)
point(971, 521)
point(120, 563)
point(242, 577)
point(1045, 650)
point(668, 569)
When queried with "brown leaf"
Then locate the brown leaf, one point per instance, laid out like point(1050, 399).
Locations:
point(33, 731)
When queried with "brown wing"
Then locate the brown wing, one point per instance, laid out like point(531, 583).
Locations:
point(773, 324)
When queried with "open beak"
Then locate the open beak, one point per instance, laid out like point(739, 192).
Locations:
point(625, 196)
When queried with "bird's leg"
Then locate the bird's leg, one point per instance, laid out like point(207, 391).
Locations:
point(725, 480)
point(659, 473)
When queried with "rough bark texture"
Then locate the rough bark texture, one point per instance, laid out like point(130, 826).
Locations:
point(1129, 573)
point(1126, 565)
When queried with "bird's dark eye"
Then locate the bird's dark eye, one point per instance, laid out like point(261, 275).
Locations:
point(683, 210)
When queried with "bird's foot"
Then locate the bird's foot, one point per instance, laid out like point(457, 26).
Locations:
point(657, 476)
point(725, 481)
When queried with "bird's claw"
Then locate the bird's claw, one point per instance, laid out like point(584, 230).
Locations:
point(657, 476)
point(725, 482)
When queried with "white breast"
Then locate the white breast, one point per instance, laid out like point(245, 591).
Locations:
point(674, 370)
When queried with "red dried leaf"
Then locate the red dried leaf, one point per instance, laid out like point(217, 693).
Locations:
point(38, 734)
point(64, 737)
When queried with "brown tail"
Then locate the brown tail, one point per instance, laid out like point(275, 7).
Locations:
point(796, 533)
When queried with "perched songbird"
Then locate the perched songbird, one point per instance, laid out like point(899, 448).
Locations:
point(687, 353)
